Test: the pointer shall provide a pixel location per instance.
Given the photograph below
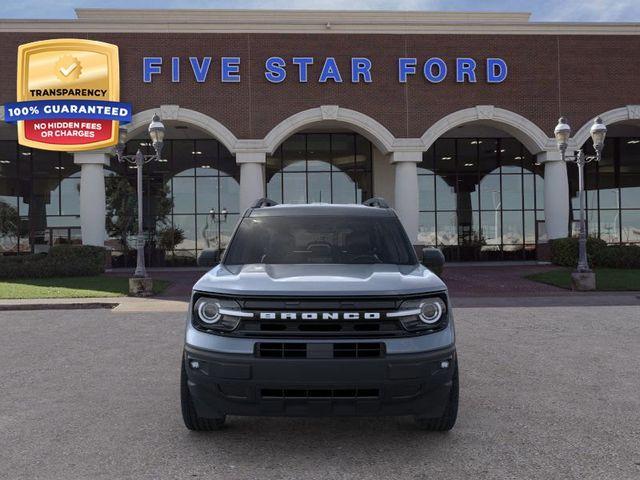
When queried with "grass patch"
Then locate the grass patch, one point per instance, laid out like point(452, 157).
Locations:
point(607, 279)
point(70, 287)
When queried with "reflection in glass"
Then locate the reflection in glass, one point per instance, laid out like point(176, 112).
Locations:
point(206, 194)
point(630, 222)
point(183, 195)
point(427, 228)
point(512, 192)
point(274, 188)
point(490, 198)
point(320, 187)
point(447, 228)
point(343, 187)
point(609, 226)
point(426, 188)
point(630, 191)
point(445, 195)
point(295, 188)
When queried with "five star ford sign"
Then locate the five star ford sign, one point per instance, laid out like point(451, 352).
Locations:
point(68, 95)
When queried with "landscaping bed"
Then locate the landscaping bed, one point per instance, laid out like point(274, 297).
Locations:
point(71, 287)
point(607, 279)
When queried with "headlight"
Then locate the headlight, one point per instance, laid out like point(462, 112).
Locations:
point(215, 314)
point(208, 310)
point(422, 314)
point(431, 310)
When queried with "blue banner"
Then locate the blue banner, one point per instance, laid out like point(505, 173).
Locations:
point(67, 109)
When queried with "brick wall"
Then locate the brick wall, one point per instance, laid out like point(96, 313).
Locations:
point(578, 76)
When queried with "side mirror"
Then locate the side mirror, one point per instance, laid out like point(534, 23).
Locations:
point(209, 257)
point(433, 259)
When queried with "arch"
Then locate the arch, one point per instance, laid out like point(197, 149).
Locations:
point(622, 114)
point(141, 120)
point(382, 138)
point(527, 132)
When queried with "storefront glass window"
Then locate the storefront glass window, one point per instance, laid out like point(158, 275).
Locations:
point(612, 192)
point(479, 198)
point(320, 167)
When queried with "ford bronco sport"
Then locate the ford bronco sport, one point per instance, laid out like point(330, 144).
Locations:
point(319, 310)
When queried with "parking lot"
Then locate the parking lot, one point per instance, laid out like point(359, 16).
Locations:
point(550, 392)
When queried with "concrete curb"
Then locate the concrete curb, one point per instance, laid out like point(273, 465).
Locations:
point(57, 306)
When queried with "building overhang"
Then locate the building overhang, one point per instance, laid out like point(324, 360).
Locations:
point(311, 21)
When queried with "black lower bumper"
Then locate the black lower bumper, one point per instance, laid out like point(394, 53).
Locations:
point(231, 384)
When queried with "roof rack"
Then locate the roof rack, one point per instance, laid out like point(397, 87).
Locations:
point(263, 202)
point(377, 202)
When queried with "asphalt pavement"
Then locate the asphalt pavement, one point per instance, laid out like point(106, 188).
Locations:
point(549, 392)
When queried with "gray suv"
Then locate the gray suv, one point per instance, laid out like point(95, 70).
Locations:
point(319, 310)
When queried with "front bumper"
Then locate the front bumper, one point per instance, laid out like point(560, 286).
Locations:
point(396, 384)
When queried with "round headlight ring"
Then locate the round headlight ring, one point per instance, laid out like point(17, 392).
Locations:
point(208, 311)
point(431, 311)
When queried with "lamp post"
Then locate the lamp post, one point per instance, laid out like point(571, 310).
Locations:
point(562, 133)
point(156, 133)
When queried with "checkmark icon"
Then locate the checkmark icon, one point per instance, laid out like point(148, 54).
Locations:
point(66, 71)
point(68, 68)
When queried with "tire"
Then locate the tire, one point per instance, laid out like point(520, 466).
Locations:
point(191, 419)
point(448, 418)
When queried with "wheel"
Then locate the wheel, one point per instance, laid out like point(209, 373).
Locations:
point(191, 419)
point(448, 418)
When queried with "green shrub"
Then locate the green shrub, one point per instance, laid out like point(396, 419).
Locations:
point(564, 252)
point(61, 261)
point(618, 256)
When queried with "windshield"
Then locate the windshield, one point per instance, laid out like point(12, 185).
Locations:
point(320, 239)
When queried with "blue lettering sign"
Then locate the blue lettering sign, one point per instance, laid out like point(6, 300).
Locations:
point(330, 71)
point(496, 70)
point(303, 65)
point(200, 71)
point(151, 66)
point(360, 67)
point(465, 67)
point(434, 69)
point(275, 69)
point(428, 70)
point(175, 69)
point(406, 66)
point(230, 69)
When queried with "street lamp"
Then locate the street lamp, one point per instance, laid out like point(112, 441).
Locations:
point(156, 133)
point(562, 133)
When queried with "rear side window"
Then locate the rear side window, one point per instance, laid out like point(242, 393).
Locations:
point(320, 239)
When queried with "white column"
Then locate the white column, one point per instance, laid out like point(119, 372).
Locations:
point(556, 194)
point(251, 177)
point(406, 190)
point(93, 208)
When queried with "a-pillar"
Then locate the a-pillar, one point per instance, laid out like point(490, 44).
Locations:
point(406, 190)
point(251, 177)
point(92, 195)
point(556, 194)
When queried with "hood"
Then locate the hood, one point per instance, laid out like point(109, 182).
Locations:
point(319, 280)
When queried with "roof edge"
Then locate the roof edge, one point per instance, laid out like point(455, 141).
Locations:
point(262, 16)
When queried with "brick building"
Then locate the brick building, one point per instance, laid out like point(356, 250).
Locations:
point(449, 116)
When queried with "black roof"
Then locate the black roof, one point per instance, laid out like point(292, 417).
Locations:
point(319, 209)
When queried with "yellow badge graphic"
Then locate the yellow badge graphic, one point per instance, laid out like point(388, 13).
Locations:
point(68, 94)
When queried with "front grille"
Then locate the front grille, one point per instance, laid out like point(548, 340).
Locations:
point(383, 327)
point(319, 393)
point(319, 350)
point(305, 328)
